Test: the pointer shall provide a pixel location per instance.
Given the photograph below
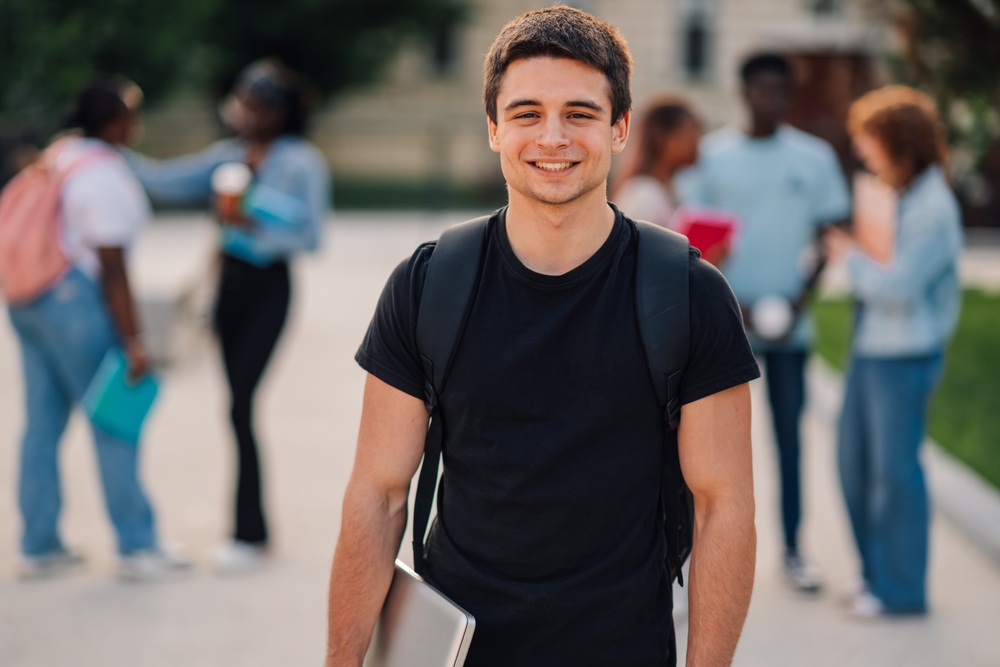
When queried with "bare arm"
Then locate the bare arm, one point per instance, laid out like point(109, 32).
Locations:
point(714, 445)
point(118, 296)
point(390, 445)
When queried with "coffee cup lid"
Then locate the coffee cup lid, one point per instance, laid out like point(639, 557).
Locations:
point(231, 178)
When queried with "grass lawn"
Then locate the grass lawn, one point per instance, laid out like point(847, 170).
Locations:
point(965, 411)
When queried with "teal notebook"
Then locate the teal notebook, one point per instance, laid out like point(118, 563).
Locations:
point(115, 405)
point(273, 208)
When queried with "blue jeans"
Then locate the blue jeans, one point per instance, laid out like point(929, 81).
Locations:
point(64, 335)
point(786, 391)
point(881, 428)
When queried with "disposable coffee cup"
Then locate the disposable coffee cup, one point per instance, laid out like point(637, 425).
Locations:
point(230, 182)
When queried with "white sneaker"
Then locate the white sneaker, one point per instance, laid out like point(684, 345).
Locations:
point(49, 565)
point(153, 565)
point(238, 557)
point(801, 575)
point(864, 605)
point(859, 588)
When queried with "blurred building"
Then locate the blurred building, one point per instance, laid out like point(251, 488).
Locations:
point(425, 120)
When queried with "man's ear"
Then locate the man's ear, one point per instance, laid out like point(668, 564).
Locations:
point(619, 132)
point(493, 130)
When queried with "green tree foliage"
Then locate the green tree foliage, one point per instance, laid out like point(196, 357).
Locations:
point(952, 49)
point(954, 45)
point(335, 43)
point(50, 48)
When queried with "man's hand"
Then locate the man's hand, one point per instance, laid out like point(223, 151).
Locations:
point(714, 446)
point(390, 445)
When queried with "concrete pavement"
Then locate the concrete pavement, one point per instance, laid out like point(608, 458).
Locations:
point(308, 416)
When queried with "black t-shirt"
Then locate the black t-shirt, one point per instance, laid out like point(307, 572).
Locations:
point(548, 527)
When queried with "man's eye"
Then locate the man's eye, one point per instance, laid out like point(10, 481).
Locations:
point(527, 114)
point(580, 115)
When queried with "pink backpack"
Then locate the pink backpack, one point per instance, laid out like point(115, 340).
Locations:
point(31, 255)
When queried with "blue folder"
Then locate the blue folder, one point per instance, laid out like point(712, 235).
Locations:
point(271, 207)
point(116, 405)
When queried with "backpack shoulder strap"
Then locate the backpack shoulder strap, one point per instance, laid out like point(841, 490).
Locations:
point(661, 290)
point(452, 274)
point(449, 285)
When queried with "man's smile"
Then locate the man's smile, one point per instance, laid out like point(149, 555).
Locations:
point(554, 167)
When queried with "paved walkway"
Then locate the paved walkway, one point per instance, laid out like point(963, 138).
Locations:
point(309, 410)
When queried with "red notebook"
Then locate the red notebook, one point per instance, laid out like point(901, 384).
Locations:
point(705, 228)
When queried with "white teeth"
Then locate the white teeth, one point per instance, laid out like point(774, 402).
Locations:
point(553, 166)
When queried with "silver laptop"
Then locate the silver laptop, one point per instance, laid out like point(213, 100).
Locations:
point(419, 627)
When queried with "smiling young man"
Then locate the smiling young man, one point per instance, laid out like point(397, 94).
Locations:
point(549, 528)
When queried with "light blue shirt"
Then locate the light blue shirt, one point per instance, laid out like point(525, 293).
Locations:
point(292, 167)
point(782, 188)
point(909, 307)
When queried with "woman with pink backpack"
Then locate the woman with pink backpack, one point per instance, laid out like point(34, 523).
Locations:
point(66, 224)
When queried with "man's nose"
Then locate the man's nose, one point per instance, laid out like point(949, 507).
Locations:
point(552, 133)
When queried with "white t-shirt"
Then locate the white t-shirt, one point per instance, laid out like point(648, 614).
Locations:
point(103, 204)
point(643, 197)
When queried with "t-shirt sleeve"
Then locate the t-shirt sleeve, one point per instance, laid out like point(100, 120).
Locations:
point(389, 349)
point(720, 356)
point(97, 201)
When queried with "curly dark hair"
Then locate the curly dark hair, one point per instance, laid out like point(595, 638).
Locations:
point(906, 121)
point(561, 32)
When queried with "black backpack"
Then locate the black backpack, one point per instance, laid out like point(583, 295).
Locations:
point(661, 299)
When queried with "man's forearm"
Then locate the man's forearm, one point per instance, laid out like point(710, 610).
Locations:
point(721, 580)
point(362, 572)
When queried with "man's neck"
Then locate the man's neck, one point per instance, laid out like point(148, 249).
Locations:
point(555, 239)
point(759, 130)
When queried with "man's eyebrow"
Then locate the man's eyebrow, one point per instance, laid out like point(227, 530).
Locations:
point(522, 103)
point(586, 104)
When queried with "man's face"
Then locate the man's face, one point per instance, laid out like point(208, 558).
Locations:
point(554, 131)
point(767, 95)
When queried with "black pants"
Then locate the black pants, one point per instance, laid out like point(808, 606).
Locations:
point(249, 315)
point(787, 392)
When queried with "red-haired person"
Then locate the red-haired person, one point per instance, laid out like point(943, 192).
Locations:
point(908, 306)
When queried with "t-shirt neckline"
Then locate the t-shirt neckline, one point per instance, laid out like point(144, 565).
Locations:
point(572, 276)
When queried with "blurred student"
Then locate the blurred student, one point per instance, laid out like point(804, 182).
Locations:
point(667, 141)
point(66, 330)
point(267, 111)
point(784, 185)
point(907, 309)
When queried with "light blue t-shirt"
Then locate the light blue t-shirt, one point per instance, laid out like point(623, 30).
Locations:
point(782, 188)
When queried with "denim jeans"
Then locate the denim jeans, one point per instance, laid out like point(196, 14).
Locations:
point(64, 334)
point(786, 390)
point(881, 428)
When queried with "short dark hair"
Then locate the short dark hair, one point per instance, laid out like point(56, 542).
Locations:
point(279, 88)
point(906, 121)
point(562, 32)
point(764, 62)
point(98, 105)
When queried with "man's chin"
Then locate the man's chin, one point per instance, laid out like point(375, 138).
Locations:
point(550, 198)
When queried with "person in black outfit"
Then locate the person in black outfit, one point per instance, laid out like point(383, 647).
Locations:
point(282, 215)
point(249, 315)
point(549, 527)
